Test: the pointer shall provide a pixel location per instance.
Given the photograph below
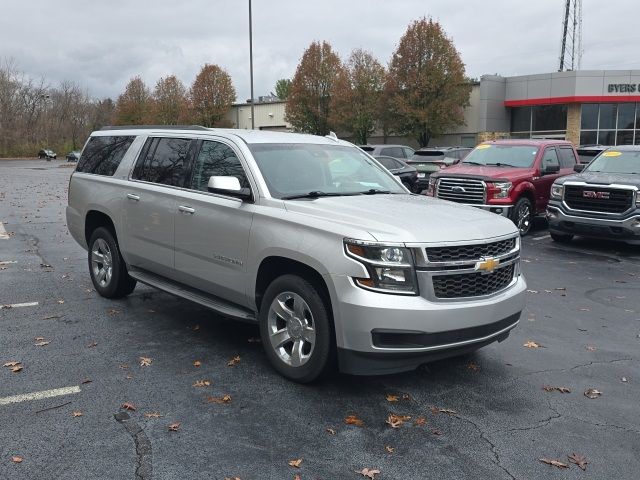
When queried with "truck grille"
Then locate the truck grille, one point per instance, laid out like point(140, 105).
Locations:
point(461, 190)
point(472, 284)
point(598, 199)
point(470, 252)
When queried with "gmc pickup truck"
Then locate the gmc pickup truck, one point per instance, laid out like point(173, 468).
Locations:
point(308, 237)
point(511, 178)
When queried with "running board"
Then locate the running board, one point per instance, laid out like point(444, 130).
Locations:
point(209, 301)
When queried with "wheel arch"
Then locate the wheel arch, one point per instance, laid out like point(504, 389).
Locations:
point(95, 219)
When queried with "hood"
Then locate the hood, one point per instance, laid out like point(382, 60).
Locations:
point(406, 218)
point(486, 173)
point(601, 178)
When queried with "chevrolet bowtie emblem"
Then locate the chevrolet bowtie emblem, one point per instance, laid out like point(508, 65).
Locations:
point(487, 265)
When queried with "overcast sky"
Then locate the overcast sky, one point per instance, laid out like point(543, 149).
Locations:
point(102, 44)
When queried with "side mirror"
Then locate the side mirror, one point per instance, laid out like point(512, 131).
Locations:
point(579, 167)
point(228, 185)
point(553, 168)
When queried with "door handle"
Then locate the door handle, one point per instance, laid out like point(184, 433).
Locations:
point(131, 196)
point(189, 210)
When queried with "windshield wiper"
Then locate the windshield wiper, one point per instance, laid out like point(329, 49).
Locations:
point(472, 163)
point(498, 164)
point(373, 191)
point(318, 194)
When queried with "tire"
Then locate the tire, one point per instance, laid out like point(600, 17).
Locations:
point(561, 238)
point(107, 268)
point(290, 307)
point(522, 215)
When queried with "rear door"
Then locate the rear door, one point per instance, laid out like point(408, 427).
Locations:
point(150, 203)
point(212, 230)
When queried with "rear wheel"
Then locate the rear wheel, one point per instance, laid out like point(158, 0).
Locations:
point(106, 266)
point(561, 238)
point(522, 215)
point(295, 329)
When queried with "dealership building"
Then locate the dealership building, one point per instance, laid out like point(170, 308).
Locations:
point(585, 107)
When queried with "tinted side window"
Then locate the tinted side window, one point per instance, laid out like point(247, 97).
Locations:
point(102, 155)
point(550, 157)
point(392, 152)
point(408, 152)
point(567, 157)
point(388, 163)
point(164, 162)
point(216, 159)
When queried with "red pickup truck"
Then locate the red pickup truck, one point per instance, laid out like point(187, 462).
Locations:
point(512, 178)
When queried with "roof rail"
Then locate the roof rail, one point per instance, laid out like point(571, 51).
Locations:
point(154, 127)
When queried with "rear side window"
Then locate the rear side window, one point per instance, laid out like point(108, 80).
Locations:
point(567, 157)
point(164, 162)
point(102, 155)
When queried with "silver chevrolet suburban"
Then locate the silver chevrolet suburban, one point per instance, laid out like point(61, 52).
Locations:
point(309, 237)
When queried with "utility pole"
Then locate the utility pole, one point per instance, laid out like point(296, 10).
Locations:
point(571, 42)
point(253, 121)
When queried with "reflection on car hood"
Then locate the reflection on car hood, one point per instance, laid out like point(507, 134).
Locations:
point(486, 172)
point(406, 218)
point(603, 178)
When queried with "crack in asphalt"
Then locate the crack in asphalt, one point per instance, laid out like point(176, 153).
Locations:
point(144, 465)
point(570, 369)
point(540, 424)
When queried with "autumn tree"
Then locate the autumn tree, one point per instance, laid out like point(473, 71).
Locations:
point(211, 95)
point(282, 88)
point(169, 101)
point(358, 94)
point(134, 104)
point(312, 88)
point(427, 82)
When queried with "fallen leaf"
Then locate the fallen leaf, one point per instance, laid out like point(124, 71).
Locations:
point(532, 291)
point(406, 396)
point(202, 383)
point(17, 459)
point(60, 302)
point(554, 463)
point(219, 400)
point(38, 339)
point(579, 460)
point(532, 344)
point(395, 421)
point(389, 449)
point(197, 363)
point(354, 420)
point(92, 344)
point(16, 369)
point(473, 366)
point(11, 364)
point(437, 431)
point(392, 398)
point(592, 393)
point(128, 406)
point(41, 343)
point(295, 463)
point(448, 411)
point(330, 431)
point(591, 348)
point(77, 413)
point(113, 311)
point(420, 421)
point(551, 388)
point(145, 361)
point(173, 427)
point(234, 361)
point(623, 379)
point(153, 415)
point(297, 477)
point(368, 472)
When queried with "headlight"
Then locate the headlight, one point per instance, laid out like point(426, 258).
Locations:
point(431, 188)
point(557, 191)
point(500, 189)
point(391, 267)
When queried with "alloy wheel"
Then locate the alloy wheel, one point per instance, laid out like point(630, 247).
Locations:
point(102, 262)
point(291, 329)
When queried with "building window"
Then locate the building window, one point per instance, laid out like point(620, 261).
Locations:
point(539, 121)
point(609, 124)
point(521, 119)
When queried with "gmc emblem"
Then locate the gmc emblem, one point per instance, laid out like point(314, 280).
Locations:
point(592, 194)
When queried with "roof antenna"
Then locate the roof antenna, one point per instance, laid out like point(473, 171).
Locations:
point(332, 136)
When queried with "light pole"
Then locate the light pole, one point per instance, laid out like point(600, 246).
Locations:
point(45, 98)
point(253, 124)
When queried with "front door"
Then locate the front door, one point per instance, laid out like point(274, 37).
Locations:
point(212, 231)
point(544, 181)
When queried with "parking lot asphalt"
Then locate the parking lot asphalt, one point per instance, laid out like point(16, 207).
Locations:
point(484, 415)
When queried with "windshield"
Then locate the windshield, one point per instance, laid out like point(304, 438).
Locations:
point(521, 156)
point(292, 169)
point(613, 161)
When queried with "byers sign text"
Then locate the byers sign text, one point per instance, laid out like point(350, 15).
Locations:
point(623, 88)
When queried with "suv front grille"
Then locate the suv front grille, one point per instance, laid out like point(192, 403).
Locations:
point(461, 190)
point(470, 252)
point(599, 199)
point(472, 284)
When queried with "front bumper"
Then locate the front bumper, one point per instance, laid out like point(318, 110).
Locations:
point(563, 222)
point(503, 210)
point(381, 333)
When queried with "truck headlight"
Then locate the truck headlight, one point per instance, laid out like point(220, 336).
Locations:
point(500, 189)
point(391, 268)
point(557, 191)
point(431, 188)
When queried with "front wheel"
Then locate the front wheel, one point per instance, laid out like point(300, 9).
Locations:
point(295, 329)
point(106, 266)
point(522, 215)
